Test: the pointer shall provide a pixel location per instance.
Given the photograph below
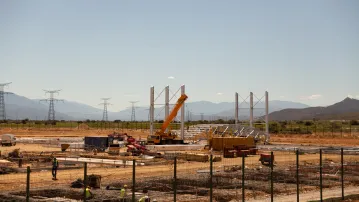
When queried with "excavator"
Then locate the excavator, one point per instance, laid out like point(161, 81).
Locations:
point(161, 137)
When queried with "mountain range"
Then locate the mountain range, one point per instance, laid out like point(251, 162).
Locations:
point(347, 109)
point(20, 107)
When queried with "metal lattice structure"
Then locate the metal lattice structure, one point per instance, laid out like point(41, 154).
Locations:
point(105, 104)
point(166, 107)
point(133, 113)
point(245, 131)
point(2, 101)
point(51, 114)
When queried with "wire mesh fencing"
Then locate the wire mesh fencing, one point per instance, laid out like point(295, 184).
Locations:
point(269, 175)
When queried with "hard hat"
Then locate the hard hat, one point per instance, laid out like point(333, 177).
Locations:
point(125, 185)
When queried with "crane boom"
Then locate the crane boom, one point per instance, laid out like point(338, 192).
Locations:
point(174, 112)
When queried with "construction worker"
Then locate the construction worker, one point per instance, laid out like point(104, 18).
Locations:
point(144, 199)
point(88, 193)
point(55, 165)
point(123, 193)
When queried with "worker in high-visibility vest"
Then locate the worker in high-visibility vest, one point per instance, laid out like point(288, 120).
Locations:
point(144, 199)
point(55, 165)
point(123, 193)
point(88, 193)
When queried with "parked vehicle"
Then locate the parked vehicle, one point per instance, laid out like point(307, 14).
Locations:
point(8, 140)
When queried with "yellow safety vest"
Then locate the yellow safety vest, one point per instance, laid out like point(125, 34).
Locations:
point(88, 194)
point(143, 199)
point(122, 193)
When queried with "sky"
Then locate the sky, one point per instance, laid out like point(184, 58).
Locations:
point(303, 51)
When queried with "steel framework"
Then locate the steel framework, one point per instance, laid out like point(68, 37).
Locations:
point(133, 111)
point(245, 131)
point(105, 104)
point(167, 105)
point(51, 100)
point(2, 100)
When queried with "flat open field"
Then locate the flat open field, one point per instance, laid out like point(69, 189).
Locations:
point(156, 174)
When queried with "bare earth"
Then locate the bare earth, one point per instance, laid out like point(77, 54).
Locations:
point(110, 174)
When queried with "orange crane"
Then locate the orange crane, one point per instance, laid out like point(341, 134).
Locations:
point(161, 136)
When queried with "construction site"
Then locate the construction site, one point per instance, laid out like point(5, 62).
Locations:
point(206, 162)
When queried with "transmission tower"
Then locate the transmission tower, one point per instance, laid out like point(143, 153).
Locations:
point(133, 114)
point(51, 100)
point(2, 100)
point(105, 104)
point(202, 117)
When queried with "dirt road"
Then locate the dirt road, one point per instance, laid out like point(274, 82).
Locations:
point(111, 174)
point(313, 195)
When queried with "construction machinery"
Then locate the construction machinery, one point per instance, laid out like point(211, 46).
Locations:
point(8, 140)
point(266, 159)
point(161, 137)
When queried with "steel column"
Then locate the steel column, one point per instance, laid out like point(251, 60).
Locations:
point(236, 113)
point(251, 108)
point(267, 116)
point(167, 104)
point(152, 108)
point(182, 113)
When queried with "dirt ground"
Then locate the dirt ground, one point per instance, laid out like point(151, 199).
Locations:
point(327, 140)
point(41, 178)
point(58, 132)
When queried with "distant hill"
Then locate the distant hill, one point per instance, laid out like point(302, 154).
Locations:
point(348, 109)
point(259, 109)
point(21, 107)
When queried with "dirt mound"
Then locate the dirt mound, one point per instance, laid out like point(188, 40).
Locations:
point(7, 170)
point(52, 193)
point(83, 126)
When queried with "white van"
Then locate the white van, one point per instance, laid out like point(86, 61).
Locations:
point(8, 140)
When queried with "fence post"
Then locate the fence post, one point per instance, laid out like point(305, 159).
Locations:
point(243, 184)
point(297, 173)
point(133, 179)
point(320, 175)
point(271, 176)
point(175, 179)
point(210, 178)
point(85, 180)
point(28, 184)
point(342, 169)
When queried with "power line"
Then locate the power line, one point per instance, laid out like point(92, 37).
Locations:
point(51, 99)
point(2, 100)
point(133, 114)
point(105, 104)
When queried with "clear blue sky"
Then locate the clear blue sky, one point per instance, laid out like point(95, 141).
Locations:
point(93, 49)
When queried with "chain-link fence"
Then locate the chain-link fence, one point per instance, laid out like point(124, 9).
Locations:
point(291, 175)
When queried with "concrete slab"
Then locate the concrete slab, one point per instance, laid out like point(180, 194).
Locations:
point(99, 161)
